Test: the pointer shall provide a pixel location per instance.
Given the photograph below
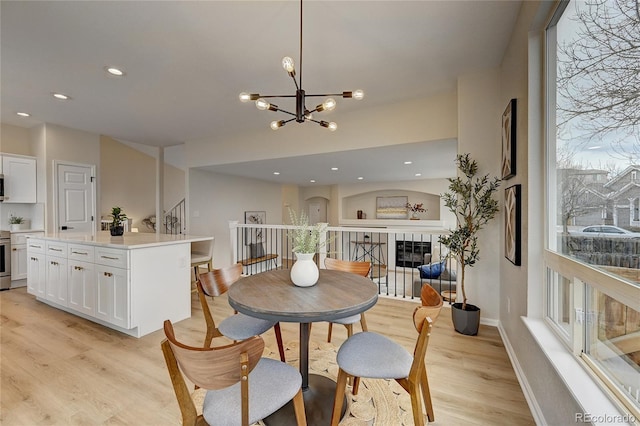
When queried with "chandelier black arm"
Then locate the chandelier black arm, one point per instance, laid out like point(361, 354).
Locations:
point(325, 94)
point(277, 96)
point(286, 112)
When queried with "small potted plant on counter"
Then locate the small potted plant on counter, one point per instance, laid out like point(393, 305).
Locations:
point(15, 222)
point(119, 217)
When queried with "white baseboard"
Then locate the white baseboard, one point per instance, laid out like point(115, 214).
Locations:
point(536, 411)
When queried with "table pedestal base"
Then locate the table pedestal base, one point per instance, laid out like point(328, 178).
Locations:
point(318, 404)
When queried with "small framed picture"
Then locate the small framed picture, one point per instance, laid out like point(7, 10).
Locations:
point(509, 140)
point(512, 225)
point(254, 235)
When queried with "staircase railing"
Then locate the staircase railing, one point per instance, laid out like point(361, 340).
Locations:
point(175, 220)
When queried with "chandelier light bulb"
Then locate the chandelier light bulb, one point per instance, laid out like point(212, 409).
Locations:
point(358, 95)
point(333, 126)
point(288, 64)
point(275, 125)
point(308, 115)
point(245, 97)
point(262, 104)
point(329, 104)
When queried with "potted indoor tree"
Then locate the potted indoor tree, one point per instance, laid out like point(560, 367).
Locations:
point(471, 199)
point(116, 228)
point(306, 242)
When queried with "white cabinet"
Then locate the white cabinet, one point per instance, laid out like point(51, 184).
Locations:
point(19, 179)
point(112, 296)
point(113, 301)
point(19, 257)
point(36, 267)
point(18, 262)
point(57, 274)
point(82, 287)
point(132, 287)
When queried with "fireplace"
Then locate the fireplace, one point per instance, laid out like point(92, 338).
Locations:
point(410, 254)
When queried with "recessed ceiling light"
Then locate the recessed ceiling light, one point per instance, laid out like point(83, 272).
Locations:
point(408, 162)
point(114, 71)
point(334, 168)
point(61, 96)
point(418, 174)
point(360, 178)
point(276, 173)
point(23, 114)
point(312, 181)
point(595, 147)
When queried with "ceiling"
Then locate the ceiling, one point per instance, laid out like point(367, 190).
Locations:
point(187, 61)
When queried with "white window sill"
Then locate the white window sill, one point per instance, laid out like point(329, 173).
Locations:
point(594, 401)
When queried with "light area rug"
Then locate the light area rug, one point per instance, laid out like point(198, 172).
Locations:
point(379, 402)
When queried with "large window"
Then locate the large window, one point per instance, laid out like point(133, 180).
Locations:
point(593, 146)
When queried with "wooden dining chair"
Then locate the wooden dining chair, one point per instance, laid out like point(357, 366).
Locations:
point(372, 355)
point(235, 327)
point(360, 268)
point(242, 387)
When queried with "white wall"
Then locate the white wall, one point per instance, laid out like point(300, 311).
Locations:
point(214, 199)
point(479, 121)
point(417, 120)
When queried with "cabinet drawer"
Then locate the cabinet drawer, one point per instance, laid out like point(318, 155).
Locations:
point(36, 246)
point(81, 252)
point(112, 257)
point(21, 238)
point(55, 248)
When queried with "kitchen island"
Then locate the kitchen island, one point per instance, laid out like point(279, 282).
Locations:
point(130, 283)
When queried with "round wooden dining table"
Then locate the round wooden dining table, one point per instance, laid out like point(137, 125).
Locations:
point(271, 295)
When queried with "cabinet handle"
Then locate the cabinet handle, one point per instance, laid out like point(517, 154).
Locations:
point(55, 249)
point(14, 249)
point(78, 268)
point(54, 263)
point(110, 258)
point(34, 258)
point(33, 246)
point(108, 274)
point(79, 252)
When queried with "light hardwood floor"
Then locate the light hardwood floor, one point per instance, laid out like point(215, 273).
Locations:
point(58, 369)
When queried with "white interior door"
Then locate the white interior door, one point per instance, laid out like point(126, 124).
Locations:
point(76, 198)
point(314, 213)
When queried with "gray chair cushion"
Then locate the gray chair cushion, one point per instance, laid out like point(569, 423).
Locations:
point(241, 326)
point(271, 385)
point(375, 356)
point(347, 320)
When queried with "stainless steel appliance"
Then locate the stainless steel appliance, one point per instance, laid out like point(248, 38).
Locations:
point(5, 260)
point(1, 187)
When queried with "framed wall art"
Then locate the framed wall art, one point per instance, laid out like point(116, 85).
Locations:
point(254, 235)
point(509, 140)
point(391, 207)
point(512, 224)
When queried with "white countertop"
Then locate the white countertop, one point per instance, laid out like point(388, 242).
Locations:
point(22, 231)
point(130, 240)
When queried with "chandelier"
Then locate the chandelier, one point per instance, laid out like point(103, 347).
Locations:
point(302, 113)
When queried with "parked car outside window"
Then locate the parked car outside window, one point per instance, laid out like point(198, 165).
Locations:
point(607, 231)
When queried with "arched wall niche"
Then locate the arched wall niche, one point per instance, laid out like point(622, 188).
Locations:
point(366, 201)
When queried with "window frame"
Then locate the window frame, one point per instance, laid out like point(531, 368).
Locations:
point(581, 275)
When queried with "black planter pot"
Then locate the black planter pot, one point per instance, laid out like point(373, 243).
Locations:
point(116, 231)
point(465, 321)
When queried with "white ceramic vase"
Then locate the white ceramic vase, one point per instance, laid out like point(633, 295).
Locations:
point(304, 272)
